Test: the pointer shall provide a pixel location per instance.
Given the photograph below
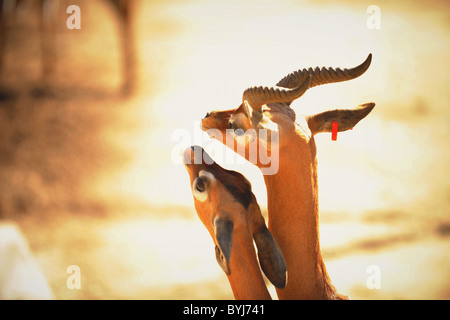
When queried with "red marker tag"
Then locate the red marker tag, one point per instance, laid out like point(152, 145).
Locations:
point(334, 130)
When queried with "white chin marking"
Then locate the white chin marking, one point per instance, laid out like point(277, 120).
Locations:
point(200, 196)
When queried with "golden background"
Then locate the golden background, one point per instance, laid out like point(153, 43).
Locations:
point(90, 176)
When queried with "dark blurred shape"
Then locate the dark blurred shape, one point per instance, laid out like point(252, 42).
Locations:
point(49, 13)
point(443, 229)
point(125, 10)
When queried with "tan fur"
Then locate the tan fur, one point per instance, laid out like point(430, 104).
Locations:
point(292, 190)
point(242, 209)
point(293, 195)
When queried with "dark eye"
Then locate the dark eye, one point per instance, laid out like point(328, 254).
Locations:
point(200, 185)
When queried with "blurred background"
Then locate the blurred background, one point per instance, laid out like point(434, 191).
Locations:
point(90, 123)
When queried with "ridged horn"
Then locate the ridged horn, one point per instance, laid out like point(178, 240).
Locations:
point(257, 96)
point(324, 75)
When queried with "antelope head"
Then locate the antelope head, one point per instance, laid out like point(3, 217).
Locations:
point(227, 207)
point(265, 121)
point(268, 108)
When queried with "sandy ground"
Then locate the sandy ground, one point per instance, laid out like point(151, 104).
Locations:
point(93, 178)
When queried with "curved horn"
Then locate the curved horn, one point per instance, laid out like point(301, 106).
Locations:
point(324, 75)
point(257, 96)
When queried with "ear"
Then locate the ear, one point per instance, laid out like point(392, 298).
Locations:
point(257, 119)
point(223, 233)
point(270, 257)
point(346, 118)
point(262, 127)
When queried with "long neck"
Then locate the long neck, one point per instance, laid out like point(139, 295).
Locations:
point(294, 222)
point(245, 278)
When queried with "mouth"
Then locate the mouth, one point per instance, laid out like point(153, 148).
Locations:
point(217, 120)
point(196, 155)
point(204, 124)
point(188, 155)
point(193, 155)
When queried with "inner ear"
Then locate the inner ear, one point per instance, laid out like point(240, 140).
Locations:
point(270, 257)
point(346, 118)
point(222, 261)
point(223, 233)
point(254, 116)
point(258, 120)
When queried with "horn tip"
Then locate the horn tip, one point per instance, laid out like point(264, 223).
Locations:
point(368, 60)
